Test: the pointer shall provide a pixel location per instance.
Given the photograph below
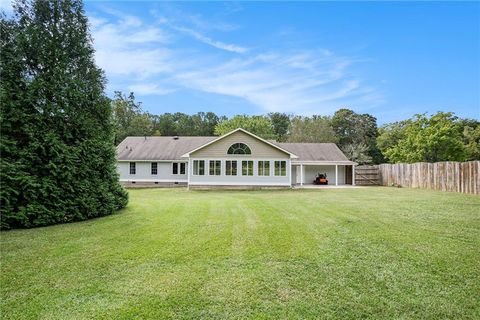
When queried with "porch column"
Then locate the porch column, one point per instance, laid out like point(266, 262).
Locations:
point(353, 175)
point(336, 174)
point(188, 173)
point(290, 167)
point(301, 174)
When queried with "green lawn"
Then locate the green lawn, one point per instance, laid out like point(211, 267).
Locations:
point(340, 253)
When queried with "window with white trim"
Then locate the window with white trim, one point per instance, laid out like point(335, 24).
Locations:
point(153, 168)
point(198, 167)
point(178, 167)
point(133, 168)
point(215, 167)
point(263, 168)
point(280, 168)
point(231, 167)
point(247, 168)
point(239, 148)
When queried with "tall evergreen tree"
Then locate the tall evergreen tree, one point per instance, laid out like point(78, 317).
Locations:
point(58, 157)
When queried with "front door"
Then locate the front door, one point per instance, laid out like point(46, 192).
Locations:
point(348, 174)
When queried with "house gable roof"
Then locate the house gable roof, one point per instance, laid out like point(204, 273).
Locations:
point(292, 155)
point(177, 148)
point(316, 152)
point(158, 148)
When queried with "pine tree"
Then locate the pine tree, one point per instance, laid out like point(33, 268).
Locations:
point(58, 157)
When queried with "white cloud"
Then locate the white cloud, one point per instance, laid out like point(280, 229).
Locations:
point(118, 35)
point(149, 89)
point(307, 82)
point(126, 20)
point(214, 43)
point(133, 63)
point(148, 35)
point(127, 48)
point(198, 23)
point(95, 22)
point(149, 61)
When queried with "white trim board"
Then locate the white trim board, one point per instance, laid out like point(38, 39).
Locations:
point(153, 180)
point(323, 163)
point(224, 183)
point(153, 160)
point(240, 158)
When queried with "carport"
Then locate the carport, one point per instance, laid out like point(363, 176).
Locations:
point(313, 158)
point(338, 173)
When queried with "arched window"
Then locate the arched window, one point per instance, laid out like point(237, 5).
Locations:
point(239, 148)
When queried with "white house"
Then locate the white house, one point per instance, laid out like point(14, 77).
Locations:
point(238, 158)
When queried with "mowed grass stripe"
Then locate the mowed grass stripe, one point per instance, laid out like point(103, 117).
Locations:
point(339, 253)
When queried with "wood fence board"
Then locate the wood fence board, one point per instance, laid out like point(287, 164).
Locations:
point(445, 176)
point(367, 175)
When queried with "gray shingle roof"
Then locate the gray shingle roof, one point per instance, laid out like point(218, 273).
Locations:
point(168, 148)
point(158, 148)
point(314, 151)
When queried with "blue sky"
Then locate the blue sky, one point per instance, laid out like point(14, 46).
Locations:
point(389, 59)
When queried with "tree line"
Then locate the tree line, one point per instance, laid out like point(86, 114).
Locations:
point(439, 137)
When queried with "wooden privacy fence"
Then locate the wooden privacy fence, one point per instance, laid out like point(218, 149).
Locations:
point(367, 175)
point(445, 176)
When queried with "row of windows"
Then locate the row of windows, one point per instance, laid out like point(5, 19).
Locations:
point(215, 168)
point(177, 168)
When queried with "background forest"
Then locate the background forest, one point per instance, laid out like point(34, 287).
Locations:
point(439, 137)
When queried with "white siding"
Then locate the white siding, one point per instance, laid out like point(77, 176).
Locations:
point(254, 180)
point(143, 172)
